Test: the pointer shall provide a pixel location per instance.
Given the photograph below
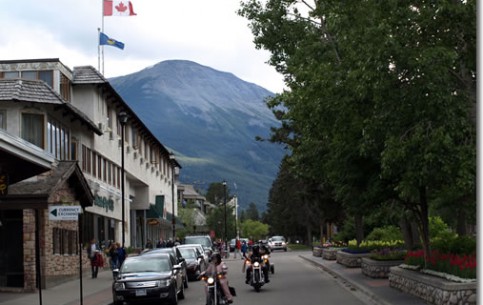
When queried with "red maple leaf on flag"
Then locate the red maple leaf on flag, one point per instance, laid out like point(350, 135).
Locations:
point(121, 7)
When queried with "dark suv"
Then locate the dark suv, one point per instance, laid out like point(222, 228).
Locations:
point(203, 240)
point(178, 258)
point(150, 278)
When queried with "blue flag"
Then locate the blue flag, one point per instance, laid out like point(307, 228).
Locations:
point(105, 40)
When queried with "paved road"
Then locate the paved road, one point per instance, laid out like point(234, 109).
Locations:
point(295, 281)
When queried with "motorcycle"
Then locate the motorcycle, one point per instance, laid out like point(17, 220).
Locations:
point(257, 278)
point(215, 295)
point(266, 261)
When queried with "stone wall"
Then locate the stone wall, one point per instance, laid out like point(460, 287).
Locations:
point(377, 269)
point(351, 260)
point(432, 289)
point(330, 253)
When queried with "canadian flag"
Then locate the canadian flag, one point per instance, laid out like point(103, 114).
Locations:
point(118, 8)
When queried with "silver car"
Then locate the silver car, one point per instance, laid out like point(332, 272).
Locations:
point(148, 278)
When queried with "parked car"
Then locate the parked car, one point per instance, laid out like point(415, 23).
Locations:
point(178, 260)
point(195, 262)
point(145, 278)
point(204, 240)
point(206, 258)
point(277, 243)
point(233, 243)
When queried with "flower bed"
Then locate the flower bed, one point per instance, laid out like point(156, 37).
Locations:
point(317, 251)
point(432, 289)
point(378, 268)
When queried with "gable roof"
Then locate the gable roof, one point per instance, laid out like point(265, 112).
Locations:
point(42, 190)
point(37, 91)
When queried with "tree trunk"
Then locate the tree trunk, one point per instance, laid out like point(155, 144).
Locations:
point(461, 222)
point(359, 226)
point(424, 225)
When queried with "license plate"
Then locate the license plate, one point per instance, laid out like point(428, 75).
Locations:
point(140, 292)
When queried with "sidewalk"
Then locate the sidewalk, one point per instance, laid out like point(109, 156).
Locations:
point(95, 292)
point(377, 290)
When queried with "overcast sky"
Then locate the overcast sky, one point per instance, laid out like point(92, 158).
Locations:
point(208, 32)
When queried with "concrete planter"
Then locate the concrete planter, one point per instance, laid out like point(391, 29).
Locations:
point(330, 253)
point(378, 269)
point(351, 260)
point(432, 289)
point(317, 251)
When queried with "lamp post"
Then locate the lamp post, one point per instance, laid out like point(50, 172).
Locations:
point(224, 202)
point(122, 120)
point(173, 220)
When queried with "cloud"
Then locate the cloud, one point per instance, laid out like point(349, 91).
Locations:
point(208, 32)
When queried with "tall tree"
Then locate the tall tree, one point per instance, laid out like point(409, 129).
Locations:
point(381, 96)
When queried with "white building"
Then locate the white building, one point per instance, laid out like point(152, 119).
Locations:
point(75, 115)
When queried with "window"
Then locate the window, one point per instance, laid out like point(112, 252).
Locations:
point(10, 74)
point(64, 87)
point(47, 76)
point(58, 139)
point(3, 119)
point(33, 128)
point(134, 137)
point(64, 241)
point(73, 150)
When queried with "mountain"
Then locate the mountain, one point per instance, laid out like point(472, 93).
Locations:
point(210, 120)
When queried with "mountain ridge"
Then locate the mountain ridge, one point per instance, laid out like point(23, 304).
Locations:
point(209, 119)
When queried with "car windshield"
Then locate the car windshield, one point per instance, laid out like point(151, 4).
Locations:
point(187, 253)
point(278, 238)
point(155, 264)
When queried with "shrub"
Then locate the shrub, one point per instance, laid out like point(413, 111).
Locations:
point(388, 254)
point(386, 233)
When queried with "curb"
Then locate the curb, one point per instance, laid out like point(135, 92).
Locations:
point(348, 283)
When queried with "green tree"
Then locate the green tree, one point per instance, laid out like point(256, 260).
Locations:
point(254, 229)
point(186, 214)
point(251, 212)
point(216, 222)
point(216, 193)
point(381, 98)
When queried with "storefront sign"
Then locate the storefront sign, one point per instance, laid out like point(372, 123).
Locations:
point(104, 202)
point(3, 184)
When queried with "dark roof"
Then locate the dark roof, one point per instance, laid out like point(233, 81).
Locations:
point(47, 184)
point(28, 91)
point(37, 91)
point(87, 75)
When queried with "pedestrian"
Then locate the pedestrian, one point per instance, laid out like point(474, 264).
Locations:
point(114, 255)
point(244, 249)
point(237, 247)
point(92, 249)
point(149, 244)
point(161, 243)
point(121, 254)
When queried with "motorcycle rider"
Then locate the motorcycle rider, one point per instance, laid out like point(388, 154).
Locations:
point(255, 255)
point(216, 266)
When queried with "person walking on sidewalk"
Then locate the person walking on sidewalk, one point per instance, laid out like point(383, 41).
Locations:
point(92, 249)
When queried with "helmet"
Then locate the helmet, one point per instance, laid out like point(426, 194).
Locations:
point(217, 257)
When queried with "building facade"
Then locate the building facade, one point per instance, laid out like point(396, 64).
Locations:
point(81, 130)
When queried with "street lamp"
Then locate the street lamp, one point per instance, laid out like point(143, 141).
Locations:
point(224, 201)
point(173, 173)
point(122, 117)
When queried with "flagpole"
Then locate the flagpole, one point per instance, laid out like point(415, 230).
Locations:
point(98, 49)
point(102, 47)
